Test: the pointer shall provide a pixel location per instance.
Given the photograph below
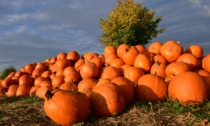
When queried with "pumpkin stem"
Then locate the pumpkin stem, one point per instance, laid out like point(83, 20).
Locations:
point(48, 94)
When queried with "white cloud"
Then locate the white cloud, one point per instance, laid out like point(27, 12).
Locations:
point(203, 6)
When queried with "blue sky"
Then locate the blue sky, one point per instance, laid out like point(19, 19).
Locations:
point(31, 31)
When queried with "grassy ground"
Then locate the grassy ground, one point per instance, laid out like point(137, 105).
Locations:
point(25, 111)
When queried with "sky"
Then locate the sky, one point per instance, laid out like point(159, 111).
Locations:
point(34, 30)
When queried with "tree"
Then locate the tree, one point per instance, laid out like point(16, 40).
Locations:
point(129, 23)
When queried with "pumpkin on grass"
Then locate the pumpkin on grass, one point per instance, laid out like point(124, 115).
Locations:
point(66, 107)
point(188, 87)
point(151, 88)
point(127, 88)
point(107, 99)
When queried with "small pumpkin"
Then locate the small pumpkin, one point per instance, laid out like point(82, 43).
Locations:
point(89, 70)
point(73, 55)
point(12, 91)
point(196, 50)
point(23, 90)
point(87, 85)
point(176, 68)
point(110, 72)
point(133, 73)
point(155, 47)
point(69, 86)
point(26, 80)
point(121, 49)
point(205, 63)
point(130, 55)
point(143, 62)
point(171, 50)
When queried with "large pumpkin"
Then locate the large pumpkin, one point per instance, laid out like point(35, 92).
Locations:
point(188, 87)
point(106, 99)
point(151, 88)
point(66, 107)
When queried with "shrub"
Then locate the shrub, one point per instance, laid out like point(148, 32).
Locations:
point(7, 71)
point(129, 23)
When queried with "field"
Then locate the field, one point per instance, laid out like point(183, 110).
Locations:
point(25, 111)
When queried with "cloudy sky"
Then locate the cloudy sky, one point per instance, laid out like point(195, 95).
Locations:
point(33, 30)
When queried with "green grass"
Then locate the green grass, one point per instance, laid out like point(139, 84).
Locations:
point(201, 111)
point(24, 99)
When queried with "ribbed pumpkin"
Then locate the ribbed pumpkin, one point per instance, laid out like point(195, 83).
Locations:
point(107, 99)
point(188, 87)
point(66, 107)
point(151, 88)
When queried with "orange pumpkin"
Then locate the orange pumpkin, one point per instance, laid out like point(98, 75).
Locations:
point(121, 49)
point(26, 80)
point(158, 69)
point(190, 59)
point(155, 47)
point(6, 82)
point(67, 107)
point(133, 73)
point(203, 73)
point(130, 55)
point(61, 55)
point(188, 87)
point(110, 49)
point(110, 72)
point(176, 68)
point(143, 62)
point(196, 50)
point(151, 88)
point(126, 87)
point(62, 63)
point(29, 68)
point(87, 85)
point(160, 59)
point(141, 48)
point(205, 63)
point(171, 50)
point(89, 70)
point(117, 63)
point(12, 91)
point(23, 90)
point(107, 99)
point(38, 80)
point(40, 92)
point(57, 81)
point(69, 86)
point(33, 91)
point(73, 55)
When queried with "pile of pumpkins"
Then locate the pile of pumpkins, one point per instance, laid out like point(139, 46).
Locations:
point(73, 85)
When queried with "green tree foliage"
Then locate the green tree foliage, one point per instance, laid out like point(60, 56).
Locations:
point(129, 23)
point(7, 71)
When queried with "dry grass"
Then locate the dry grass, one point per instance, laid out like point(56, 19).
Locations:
point(25, 111)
